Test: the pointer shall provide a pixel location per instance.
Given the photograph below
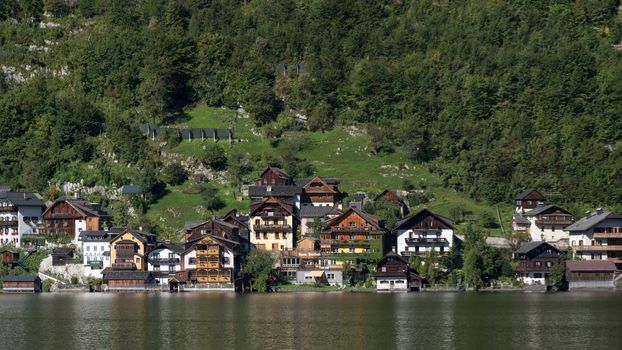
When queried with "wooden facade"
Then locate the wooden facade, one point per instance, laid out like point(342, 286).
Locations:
point(354, 233)
point(392, 198)
point(537, 257)
point(9, 257)
point(64, 215)
point(530, 199)
point(212, 264)
point(214, 227)
point(317, 190)
point(272, 225)
point(129, 250)
point(274, 177)
point(21, 284)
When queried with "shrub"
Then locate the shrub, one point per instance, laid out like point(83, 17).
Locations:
point(214, 157)
point(174, 174)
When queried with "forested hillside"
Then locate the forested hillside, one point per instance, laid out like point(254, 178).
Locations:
point(493, 96)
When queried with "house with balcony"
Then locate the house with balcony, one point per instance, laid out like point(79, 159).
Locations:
point(548, 223)
point(306, 256)
point(216, 227)
point(534, 262)
point(273, 176)
point(352, 237)
point(312, 217)
point(164, 261)
point(241, 222)
point(317, 191)
point(394, 274)
point(272, 225)
point(528, 200)
point(19, 215)
point(275, 183)
point(95, 247)
point(424, 232)
point(129, 250)
point(68, 216)
point(211, 260)
point(597, 236)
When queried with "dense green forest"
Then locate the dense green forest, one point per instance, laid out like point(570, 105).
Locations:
point(494, 96)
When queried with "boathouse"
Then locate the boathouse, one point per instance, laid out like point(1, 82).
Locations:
point(21, 284)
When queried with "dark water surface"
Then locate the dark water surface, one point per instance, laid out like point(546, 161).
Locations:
point(312, 321)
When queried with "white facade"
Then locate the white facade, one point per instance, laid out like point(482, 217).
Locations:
point(421, 242)
point(546, 232)
point(388, 284)
point(600, 241)
point(80, 226)
point(533, 278)
point(26, 218)
point(163, 262)
point(96, 257)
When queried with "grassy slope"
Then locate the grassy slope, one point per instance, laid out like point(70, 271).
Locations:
point(336, 153)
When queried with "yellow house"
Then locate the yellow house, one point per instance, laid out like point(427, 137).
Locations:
point(272, 225)
point(129, 249)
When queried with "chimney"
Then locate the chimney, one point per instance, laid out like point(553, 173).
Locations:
point(25, 197)
point(393, 249)
point(77, 195)
point(588, 214)
point(140, 228)
point(599, 210)
point(269, 189)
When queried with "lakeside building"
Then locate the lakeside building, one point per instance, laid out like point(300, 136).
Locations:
point(321, 277)
point(597, 236)
point(19, 215)
point(129, 249)
point(242, 223)
point(95, 246)
point(393, 273)
point(128, 280)
point(423, 232)
point(306, 256)
point(216, 227)
point(591, 274)
point(210, 260)
point(21, 284)
point(164, 261)
point(548, 223)
point(352, 237)
point(68, 216)
point(535, 261)
point(272, 224)
point(311, 217)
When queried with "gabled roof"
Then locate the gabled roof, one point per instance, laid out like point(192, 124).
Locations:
point(527, 192)
point(191, 225)
point(425, 212)
point(308, 211)
point(271, 201)
point(22, 199)
point(529, 246)
point(170, 246)
point(592, 220)
point(543, 209)
point(330, 181)
point(399, 200)
point(278, 171)
point(519, 219)
point(140, 235)
point(97, 236)
point(83, 207)
point(325, 188)
point(369, 218)
point(20, 278)
point(226, 242)
point(591, 265)
point(393, 254)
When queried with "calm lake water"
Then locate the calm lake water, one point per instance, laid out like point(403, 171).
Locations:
point(312, 321)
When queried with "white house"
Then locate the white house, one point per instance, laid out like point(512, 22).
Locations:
point(547, 223)
point(164, 261)
point(310, 215)
point(95, 247)
point(20, 213)
point(597, 236)
point(423, 232)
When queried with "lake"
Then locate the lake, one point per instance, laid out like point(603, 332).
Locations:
point(312, 321)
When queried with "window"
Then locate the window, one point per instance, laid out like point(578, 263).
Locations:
point(276, 235)
point(330, 276)
point(156, 267)
point(384, 269)
point(351, 250)
point(580, 242)
point(88, 248)
point(257, 236)
point(538, 264)
point(537, 275)
point(192, 261)
point(549, 264)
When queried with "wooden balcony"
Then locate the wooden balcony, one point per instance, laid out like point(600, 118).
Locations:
point(125, 253)
point(8, 223)
point(607, 234)
point(272, 228)
point(164, 261)
point(8, 208)
point(124, 266)
point(554, 221)
point(340, 229)
point(422, 254)
point(426, 240)
point(210, 251)
point(597, 248)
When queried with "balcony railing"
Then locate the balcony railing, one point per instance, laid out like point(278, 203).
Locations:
point(351, 229)
point(559, 221)
point(422, 253)
point(426, 240)
point(124, 266)
point(597, 248)
point(607, 234)
point(126, 253)
point(164, 261)
point(344, 242)
point(8, 208)
point(272, 228)
point(8, 223)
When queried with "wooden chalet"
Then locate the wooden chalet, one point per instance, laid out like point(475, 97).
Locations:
point(319, 191)
point(216, 227)
point(535, 261)
point(63, 256)
point(353, 235)
point(128, 250)
point(274, 177)
point(9, 257)
point(272, 224)
point(21, 284)
point(392, 198)
point(548, 223)
point(393, 273)
point(210, 259)
point(233, 218)
point(424, 232)
point(529, 199)
point(69, 216)
point(128, 280)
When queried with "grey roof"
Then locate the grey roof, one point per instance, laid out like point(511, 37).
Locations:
point(130, 189)
point(590, 265)
point(443, 219)
point(126, 275)
point(98, 236)
point(20, 278)
point(275, 191)
point(525, 193)
point(168, 245)
point(328, 180)
point(189, 225)
point(529, 246)
point(519, 219)
point(594, 219)
point(308, 211)
point(541, 209)
point(22, 199)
